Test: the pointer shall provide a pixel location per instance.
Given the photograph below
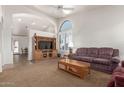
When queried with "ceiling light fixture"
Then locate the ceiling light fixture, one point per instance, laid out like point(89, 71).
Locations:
point(19, 19)
point(67, 11)
point(33, 23)
point(68, 6)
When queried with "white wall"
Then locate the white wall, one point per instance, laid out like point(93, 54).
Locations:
point(23, 42)
point(39, 33)
point(7, 28)
point(0, 47)
point(6, 50)
point(7, 55)
point(0, 39)
point(101, 27)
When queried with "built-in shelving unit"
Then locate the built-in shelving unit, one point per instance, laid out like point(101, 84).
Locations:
point(44, 47)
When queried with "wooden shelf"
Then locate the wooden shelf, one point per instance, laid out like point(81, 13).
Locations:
point(39, 54)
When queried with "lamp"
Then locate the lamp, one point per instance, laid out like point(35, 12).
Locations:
point(67, 9)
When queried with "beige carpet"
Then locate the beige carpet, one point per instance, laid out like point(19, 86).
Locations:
point(46, 74)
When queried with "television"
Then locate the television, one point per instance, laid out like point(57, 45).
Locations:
point(45, 45)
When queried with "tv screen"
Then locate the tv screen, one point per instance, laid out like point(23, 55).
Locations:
point(45, 45)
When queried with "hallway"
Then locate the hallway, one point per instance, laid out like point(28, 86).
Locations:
point(20, 59)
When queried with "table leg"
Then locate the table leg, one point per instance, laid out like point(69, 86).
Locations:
point(89, 70)
point(58, 65)
point(65, 67)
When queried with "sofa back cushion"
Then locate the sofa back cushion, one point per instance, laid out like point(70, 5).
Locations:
point(105, 53)
point(92, 52)
point(81, 51)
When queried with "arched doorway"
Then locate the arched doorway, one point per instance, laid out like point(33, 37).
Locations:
point(65, 37)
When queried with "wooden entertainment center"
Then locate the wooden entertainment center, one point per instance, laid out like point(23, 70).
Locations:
point(44, 48)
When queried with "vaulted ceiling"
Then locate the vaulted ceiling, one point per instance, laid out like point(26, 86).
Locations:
point(43, 17)
point(23, 22)
point(56, 12)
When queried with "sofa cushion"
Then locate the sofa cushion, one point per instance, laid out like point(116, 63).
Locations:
point(101, 61)
point(117, 74)
point(118, 78)
point(76, 57)
point(105, 53)
point(119, 69)
point(92, 52)
point(81, 51)
point(87, 59)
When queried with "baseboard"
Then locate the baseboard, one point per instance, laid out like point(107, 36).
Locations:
point(7, 66)
point(17, 54)
point(0, 69)
point(0, 63)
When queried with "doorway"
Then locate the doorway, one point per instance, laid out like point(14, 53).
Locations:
point(16, 47)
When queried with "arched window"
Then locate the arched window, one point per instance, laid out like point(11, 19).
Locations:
point(67, 25)
point(65, 36)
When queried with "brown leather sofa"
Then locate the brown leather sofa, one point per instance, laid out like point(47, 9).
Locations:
point(103, 59)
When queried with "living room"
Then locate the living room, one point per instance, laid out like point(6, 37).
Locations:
point(84, 40)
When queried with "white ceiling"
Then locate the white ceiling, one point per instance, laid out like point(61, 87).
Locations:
point(41, 22)
point(53, 11)
point(22, 22)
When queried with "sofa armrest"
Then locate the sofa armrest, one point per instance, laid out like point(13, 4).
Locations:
point(122, 63)
point(115, 59)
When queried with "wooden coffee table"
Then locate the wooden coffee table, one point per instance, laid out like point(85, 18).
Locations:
point(75, 67)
